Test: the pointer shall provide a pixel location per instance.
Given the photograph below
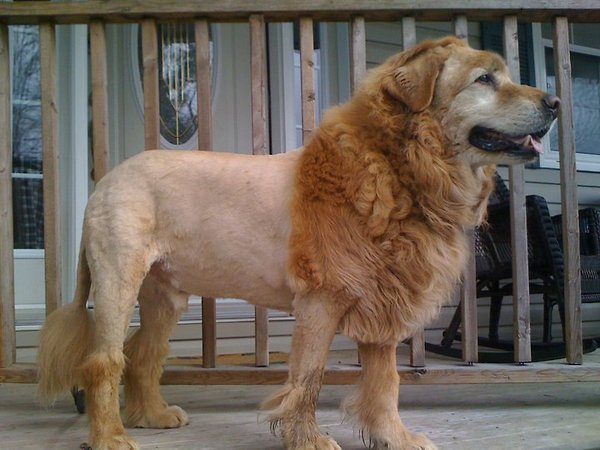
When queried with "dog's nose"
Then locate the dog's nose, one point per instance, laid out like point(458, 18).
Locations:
point(552, 103)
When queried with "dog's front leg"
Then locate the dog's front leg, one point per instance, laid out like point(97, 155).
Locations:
point(374, 404)
point(293, 407)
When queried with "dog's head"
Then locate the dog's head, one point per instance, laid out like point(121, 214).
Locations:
point(486, 116)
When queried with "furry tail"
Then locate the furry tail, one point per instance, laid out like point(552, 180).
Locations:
point(66, 339)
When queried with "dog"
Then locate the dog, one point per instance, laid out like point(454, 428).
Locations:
point(361, 231)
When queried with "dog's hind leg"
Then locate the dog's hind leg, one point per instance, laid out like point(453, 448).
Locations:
point(374, 404)
point(115, 285)
point(293, 407)
point(160, 307)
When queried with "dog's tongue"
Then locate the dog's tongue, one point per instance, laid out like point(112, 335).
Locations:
point(529, 141)
point(536, 144)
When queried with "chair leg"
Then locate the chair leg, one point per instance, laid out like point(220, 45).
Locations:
point(548, 307)
point(450, 332)
point(561, 313)
point(494, 322)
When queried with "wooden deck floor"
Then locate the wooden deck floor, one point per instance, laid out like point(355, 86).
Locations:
point(492, 417)
point(548, 416)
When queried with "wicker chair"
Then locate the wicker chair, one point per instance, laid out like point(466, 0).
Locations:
point(546, 266)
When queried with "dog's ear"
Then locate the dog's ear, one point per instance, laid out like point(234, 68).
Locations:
point(412, 81)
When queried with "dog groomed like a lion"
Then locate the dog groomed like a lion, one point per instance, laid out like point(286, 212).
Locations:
point(361, 231)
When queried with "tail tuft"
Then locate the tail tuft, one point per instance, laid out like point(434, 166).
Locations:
point(65, 340)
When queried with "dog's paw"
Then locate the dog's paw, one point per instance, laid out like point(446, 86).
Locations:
point(411, 441)
point(322, 443)
point(117, 442)
point(170, 417)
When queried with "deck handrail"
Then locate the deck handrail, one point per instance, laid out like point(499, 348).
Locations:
point(257, 14)
point(69, 12)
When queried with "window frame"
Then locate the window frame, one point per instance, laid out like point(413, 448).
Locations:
point(22, 253)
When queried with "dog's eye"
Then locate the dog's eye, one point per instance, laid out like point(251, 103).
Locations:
point(486, 78)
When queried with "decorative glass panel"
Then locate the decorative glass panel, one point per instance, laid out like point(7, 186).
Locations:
point(177, 82)
point(178, 105)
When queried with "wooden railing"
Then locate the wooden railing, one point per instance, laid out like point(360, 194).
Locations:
point(99, 13)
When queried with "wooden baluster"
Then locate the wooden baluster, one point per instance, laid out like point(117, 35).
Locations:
point(417, 341)
point(569, 202)
point(518, 220)
point(307, 64)
point(260, 146)
point(7, 286)
point(468, 291)
point(205, 142)
point(52, 229)
point(99, 99)
point(409, 32)
point(151, 91)
point(358, 57)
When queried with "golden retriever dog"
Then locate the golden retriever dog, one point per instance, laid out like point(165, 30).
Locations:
point(361, 231)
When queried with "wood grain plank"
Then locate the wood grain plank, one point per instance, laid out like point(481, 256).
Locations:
point(358, 61)
point(346, 375)
point(205, 142)
point(7, 284)
point(417, 349)
point(568, 183)
point(409, 32)
point(204, 84)
point(258, 72)
point(468, 305)
point(358, 51)
point(261, 339)
point(461, 27)
point(151, 92)
point(260, 146)
point(99, 76)
point(468, 292)
point(307, 63)
point(518, 219)
point(209, 332)
point(52, 229)
point(417, 342)
point(120, 11)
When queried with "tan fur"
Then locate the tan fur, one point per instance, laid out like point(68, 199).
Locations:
point(362, 230)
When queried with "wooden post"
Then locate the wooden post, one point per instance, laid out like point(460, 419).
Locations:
point(151, 91)
point(260, 146)
point(7, 287)
point(518, 220)
point(468, 292)
point(205, 142)
point(307, 63)
point(358, 51)
point(209, 332)
point(568, 173)
point(461, 27)
point(52, 236)
point(100, 138)
point(417, 341)
point(409, 32)
point(358, 59)
point(203, 84)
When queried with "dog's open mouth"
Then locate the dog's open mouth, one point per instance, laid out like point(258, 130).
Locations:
point(495, 141)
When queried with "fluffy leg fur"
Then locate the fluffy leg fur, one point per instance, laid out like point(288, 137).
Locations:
point(116, 282)
point(374, 404)
point(293, 407)
point(160, 307)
